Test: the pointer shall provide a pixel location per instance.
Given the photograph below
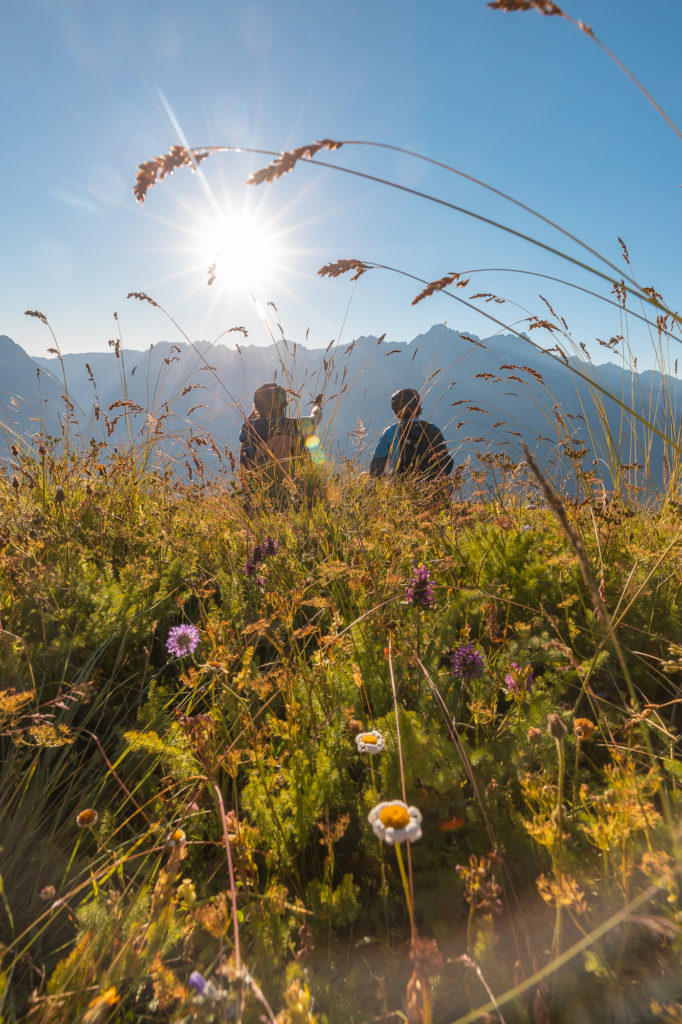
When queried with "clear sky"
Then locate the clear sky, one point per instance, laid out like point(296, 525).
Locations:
point(527, 103)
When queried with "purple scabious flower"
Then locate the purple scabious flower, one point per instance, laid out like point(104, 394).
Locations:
point(466, 662)
point(197, 981)
point(419, 590)
point(182, 640)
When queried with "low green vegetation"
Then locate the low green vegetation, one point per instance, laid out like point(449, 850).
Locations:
point(206, 693)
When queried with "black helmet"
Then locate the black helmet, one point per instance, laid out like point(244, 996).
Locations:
point(270, 400)
point(406, 402)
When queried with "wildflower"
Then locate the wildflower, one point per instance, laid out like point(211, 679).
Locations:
point(419, 590)
point(515, 677)
point(583, 728)
point(182, 640)
point(394, 822)
point(526, 528)
point(466, 662)
point(87, 818)
point(269, 547)
point(197, 981)
point(534, 734)
point(370, 742)
point(176, 838)
point(254, 559)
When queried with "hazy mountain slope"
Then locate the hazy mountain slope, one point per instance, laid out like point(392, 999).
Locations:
point(497, 393)
point(21, 408)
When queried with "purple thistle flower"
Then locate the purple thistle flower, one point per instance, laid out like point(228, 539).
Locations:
point(182, 640)
point(466, 662)
point(419, 590)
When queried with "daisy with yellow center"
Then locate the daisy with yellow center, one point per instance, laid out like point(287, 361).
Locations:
point(176, 838)
point(394, 822)
point(370, 742)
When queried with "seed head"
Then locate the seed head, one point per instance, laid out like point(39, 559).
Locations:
point(556, 727)
point(87, 818)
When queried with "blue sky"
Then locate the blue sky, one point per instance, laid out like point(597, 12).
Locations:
point(527, 103)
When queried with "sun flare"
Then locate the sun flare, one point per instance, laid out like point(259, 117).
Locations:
point(245, 251)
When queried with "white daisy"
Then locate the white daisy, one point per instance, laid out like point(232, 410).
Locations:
point(394, 822)
point(370, 742)
point(176, 838)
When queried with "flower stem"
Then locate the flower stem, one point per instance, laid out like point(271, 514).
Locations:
point(374, 785)
point(406, 887)
point(218, 796)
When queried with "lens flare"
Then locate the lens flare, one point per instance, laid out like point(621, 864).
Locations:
point(315, 449)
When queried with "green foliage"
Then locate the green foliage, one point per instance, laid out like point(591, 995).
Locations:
point(289, 669)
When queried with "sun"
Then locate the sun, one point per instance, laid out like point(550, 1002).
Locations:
point(243, 251)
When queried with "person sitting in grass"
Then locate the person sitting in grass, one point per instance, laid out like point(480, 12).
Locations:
point(412, 445)
point(269, 435)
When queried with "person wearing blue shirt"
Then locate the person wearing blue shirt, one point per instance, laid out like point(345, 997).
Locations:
point(411, 445)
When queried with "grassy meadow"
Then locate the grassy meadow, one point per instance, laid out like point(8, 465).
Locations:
point(185, 830)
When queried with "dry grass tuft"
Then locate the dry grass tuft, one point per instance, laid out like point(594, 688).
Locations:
point(439, 286)
point(155, 170)
point(286, 161)
point(344, 267)
point(543, 6)
point(37, 314)
point(142, 296)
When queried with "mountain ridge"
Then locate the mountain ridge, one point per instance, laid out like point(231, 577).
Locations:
point(483, 384)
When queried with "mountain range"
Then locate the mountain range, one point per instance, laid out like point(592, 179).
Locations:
point(487, 395)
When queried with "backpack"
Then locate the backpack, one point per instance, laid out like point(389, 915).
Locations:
point(273, 452)
point(281, 449)
point(423, 451)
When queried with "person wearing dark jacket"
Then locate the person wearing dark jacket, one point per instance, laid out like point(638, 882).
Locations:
point(269, 435)
point(411, 445)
